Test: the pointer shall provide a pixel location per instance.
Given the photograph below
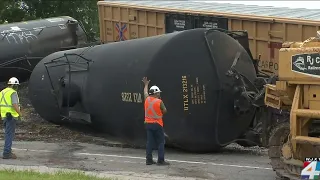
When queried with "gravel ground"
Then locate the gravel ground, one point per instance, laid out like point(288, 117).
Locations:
point(34, 128)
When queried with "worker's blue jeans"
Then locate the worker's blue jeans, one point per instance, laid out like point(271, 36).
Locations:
point(10, 127)
point(155, 138)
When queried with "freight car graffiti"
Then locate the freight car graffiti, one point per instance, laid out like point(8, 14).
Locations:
point(121, 31)
point(185, 98)
point(18, 35)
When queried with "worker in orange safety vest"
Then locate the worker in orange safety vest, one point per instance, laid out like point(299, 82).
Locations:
point(154, 110)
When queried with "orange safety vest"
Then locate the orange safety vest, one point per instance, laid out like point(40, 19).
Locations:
point(153, 113)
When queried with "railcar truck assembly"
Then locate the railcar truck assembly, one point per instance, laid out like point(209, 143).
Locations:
point(297, 91)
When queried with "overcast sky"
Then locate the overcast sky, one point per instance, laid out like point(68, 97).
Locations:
point(290, 4)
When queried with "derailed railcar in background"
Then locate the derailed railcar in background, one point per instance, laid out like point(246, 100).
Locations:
point(207, 78)
point(24, 44)
point(268, 27)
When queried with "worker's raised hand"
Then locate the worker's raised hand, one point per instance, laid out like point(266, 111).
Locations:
point(145, 80)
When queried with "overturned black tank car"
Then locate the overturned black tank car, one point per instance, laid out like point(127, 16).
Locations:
point(206, 78)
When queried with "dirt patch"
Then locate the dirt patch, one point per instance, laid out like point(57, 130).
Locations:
point(35, 128)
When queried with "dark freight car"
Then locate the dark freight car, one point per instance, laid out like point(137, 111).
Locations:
point(179, 22)
point(210, 22)
point(206, 106)
point(24, 44)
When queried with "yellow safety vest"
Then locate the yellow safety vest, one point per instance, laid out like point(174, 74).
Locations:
point(6, 103)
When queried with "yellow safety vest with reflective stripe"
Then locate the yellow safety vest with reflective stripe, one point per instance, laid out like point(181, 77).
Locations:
point(6, 103)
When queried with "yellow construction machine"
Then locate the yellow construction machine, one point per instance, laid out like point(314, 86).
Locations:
point(297, 91)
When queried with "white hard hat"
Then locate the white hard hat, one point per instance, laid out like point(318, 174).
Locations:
point(13, 80)
point(154, 89)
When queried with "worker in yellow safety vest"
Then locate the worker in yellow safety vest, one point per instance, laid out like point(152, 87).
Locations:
point(10, 112)
point(154, 110)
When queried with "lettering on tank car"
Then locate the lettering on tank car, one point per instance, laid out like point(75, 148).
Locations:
point(131, 97)
point(185, 97)
point(126, 97)
point(137, 98)
point(198, 92)
point(269, 65)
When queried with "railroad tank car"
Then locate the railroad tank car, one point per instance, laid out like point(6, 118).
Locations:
point(102, 85)
point(24, 44)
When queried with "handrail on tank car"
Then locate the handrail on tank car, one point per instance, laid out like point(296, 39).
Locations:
point(15, 68)
point(67, 62)
point(68, 54)
point(19, 59)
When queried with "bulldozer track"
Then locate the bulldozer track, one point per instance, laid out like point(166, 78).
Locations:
point(278, 136)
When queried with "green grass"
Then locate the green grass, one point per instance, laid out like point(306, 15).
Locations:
point(59, 175)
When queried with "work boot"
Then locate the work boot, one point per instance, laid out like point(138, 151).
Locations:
point(163, 163)
point(10, 156)
point(150, 162)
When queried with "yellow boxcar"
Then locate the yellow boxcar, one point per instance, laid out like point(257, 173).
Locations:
point(268, 27)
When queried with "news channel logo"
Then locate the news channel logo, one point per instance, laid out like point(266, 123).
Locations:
point(311, 169)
